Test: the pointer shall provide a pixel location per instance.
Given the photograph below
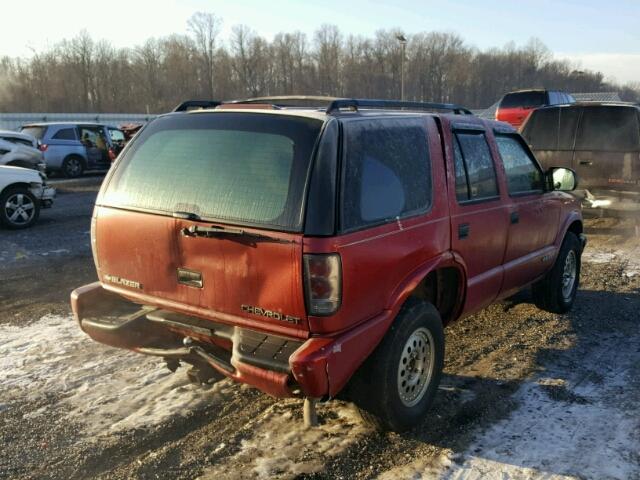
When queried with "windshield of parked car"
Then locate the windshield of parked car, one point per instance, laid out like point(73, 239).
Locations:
point(523, 99)
point(37, 132)
point(246, 168)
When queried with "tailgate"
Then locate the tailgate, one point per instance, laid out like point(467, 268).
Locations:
point(232, 278)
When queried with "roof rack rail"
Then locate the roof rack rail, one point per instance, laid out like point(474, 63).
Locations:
point(285, 100)
point(196, 104)
point(357, 103)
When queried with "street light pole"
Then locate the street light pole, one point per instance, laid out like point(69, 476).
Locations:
point(403, 41)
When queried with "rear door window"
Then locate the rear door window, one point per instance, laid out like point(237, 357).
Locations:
point(473, 155)
point(523, 99)
point(523, 174)
point(245, 168)
point(387, 171)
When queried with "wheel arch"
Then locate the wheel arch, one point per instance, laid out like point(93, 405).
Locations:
point(441, 281)
point(14, 185)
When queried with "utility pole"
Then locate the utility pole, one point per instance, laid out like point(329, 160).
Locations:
point(403, 41)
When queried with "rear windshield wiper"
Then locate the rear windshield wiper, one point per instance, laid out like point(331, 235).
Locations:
point(218, 231)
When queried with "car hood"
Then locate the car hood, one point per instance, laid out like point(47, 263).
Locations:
point(19, 174)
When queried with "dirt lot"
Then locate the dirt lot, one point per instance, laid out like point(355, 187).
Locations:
point(525, 394)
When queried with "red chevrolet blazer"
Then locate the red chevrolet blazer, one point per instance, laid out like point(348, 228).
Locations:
point(317, 250)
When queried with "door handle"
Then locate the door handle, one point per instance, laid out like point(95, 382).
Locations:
point(515, 218)
point(463, 230)
point(586, 162)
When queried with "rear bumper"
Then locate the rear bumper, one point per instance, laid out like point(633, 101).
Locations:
point(279, 366)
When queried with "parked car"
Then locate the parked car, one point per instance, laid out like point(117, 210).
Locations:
point(20, 150)
point(515, 107)
point(22, 193)
point(316, 252)
point(72, 148)
point(601, 142)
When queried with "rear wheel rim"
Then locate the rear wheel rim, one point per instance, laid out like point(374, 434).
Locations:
point(569, 274)
point(416, 367)
point(73, 167)
point(19, 209)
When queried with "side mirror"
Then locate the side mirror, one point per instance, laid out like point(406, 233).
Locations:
point(562, 179)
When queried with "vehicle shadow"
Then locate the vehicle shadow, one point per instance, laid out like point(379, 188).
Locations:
point(601, 339)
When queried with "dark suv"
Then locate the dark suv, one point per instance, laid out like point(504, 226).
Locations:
point(601, 142)
point(515, 107)
point(316, 251)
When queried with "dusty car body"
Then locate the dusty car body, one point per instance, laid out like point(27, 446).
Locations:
point(330, 243)
point(601, 142)
point(22, 193)
point(20, 150)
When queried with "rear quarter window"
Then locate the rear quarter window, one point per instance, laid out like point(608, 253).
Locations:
point(37, 132)
point(386, 171)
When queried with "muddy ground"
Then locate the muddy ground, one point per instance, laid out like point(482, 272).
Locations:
point(526, 394)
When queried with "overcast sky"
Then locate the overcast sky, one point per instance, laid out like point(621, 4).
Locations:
point(597, 35)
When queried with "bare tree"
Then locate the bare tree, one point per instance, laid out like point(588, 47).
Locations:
point(205, 28)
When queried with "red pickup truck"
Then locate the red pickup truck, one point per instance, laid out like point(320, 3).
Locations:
point(319, 250)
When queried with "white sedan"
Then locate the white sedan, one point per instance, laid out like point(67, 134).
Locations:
point(22, 193)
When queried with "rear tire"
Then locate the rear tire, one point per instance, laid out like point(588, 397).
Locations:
point(73, 167)
point(396, 385)
point(18, 208)
point(556, 292)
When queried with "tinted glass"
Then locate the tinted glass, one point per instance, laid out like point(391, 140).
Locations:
point(480, 170)
point(37, 132)
point(568, 122)
point(241, 167)
point(65, 134)
point(554, 98)
point(609, 129)
point(462, 187)
point(387, 172)
point(523, 175)
point(523, 99)
point(541, 130)
point(570, 99)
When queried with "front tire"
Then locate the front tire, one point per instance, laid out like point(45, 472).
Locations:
point(396, 385)
point(556, 292)
point(18, 208)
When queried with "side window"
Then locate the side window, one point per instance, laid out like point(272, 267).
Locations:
point(478, 165)
point(65, 134)
point(554, 98)
point(387, 172)
point(612, 129)
point(523, 175)
point(541, 130)
point(568, 122)
point(116, 136)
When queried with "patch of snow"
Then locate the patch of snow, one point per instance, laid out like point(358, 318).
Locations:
point(105, 389)
point(282, 447)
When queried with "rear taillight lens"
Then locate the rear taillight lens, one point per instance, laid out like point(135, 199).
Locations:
point(94, 244)
point(43, 147)
point(323, 283)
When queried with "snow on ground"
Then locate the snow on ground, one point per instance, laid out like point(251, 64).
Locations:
point(565, 427)
point(629, 258)
point(106, 389)
point(282, 447)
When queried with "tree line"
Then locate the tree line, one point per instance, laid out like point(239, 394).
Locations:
point(85, 75)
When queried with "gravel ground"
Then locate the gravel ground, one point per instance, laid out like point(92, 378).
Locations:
point(526, 394)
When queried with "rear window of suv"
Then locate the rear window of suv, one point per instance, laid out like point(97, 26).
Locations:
point(36, 131)
point(523, 99)
point(246, 168)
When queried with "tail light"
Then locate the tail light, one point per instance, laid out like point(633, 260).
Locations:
point(43, 147)
point(94, 243)
point(112, 155)
point(323, 283)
